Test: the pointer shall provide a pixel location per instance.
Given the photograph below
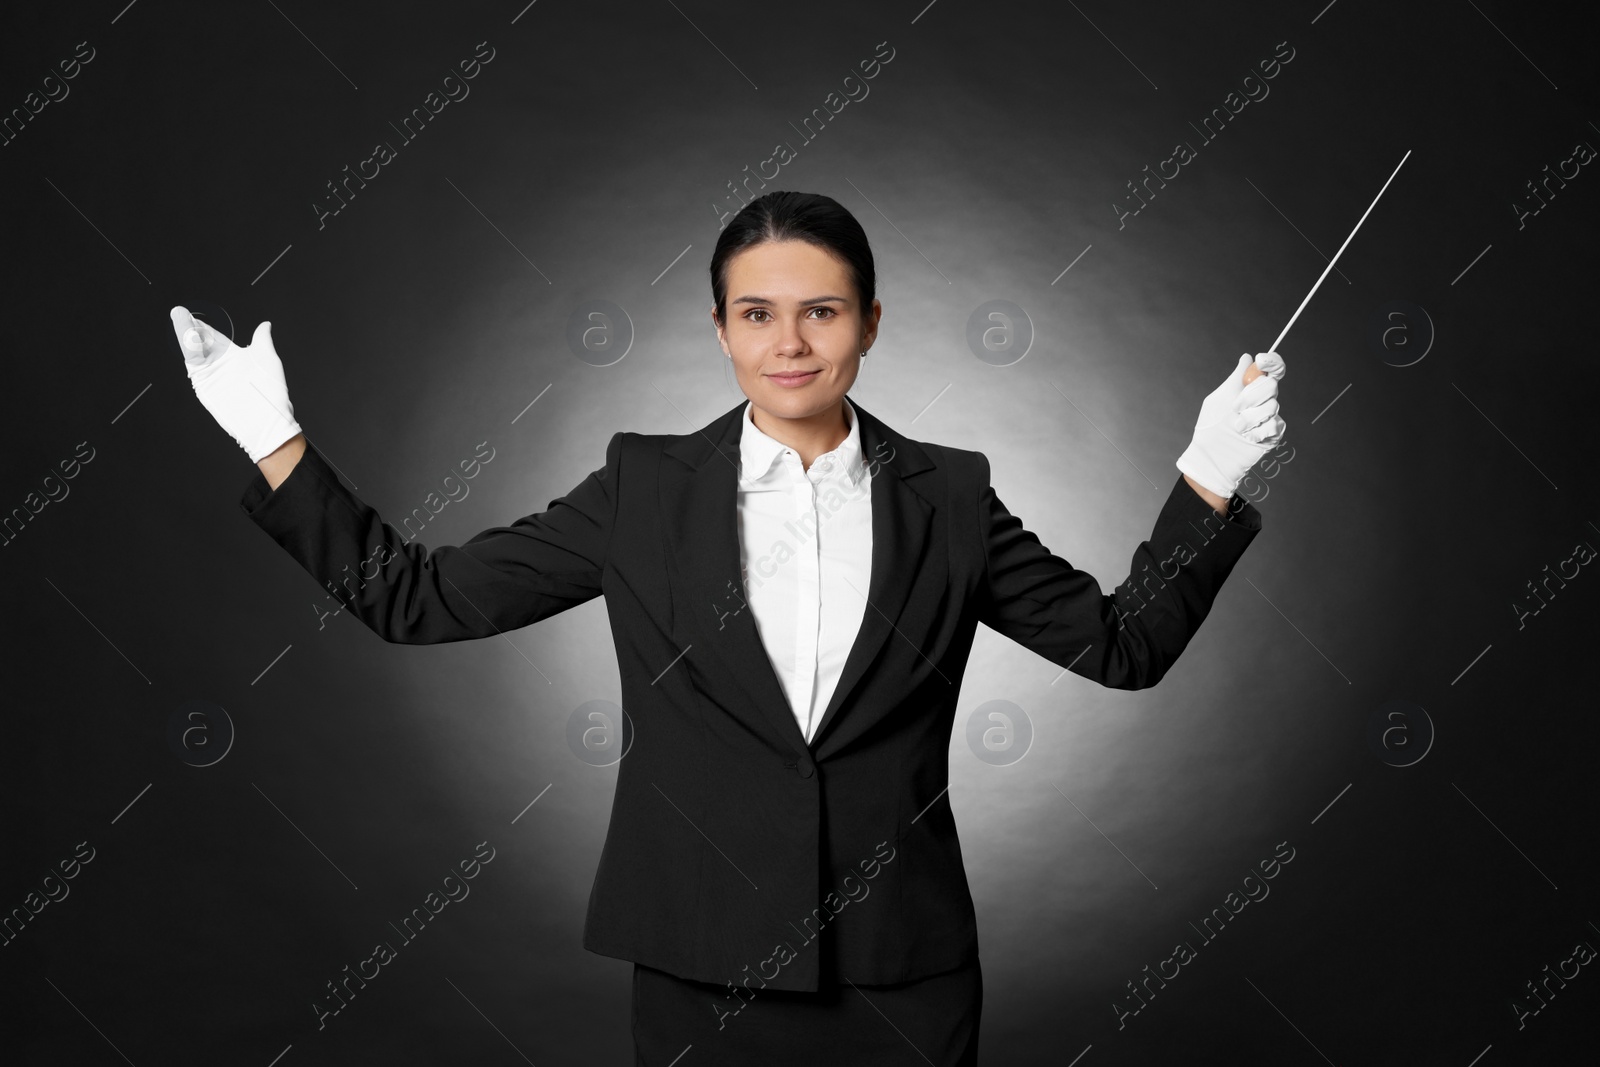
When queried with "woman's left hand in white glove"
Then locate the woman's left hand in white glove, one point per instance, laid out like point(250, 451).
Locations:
point(1238, 424)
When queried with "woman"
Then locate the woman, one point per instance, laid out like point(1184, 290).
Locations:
point(793, 592)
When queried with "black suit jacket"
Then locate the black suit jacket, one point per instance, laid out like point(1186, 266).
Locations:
point(737, 852)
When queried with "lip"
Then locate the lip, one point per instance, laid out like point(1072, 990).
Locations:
point(790, 379)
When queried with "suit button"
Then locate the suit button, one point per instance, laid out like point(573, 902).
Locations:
point(804, 767)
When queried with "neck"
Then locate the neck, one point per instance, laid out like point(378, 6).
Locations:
point(810, 436)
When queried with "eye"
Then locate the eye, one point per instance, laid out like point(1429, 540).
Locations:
point(754, 311)
point(823, 307)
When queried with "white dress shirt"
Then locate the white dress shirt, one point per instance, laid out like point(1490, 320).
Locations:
point(805, 549)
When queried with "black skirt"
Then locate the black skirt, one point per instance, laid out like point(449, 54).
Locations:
point(682, 1023)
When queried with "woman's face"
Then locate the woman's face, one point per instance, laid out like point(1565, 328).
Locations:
point(792, 309)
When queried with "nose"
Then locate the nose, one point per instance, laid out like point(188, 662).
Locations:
point(790, 341)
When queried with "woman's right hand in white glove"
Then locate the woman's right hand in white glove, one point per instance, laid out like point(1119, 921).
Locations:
point(243, 388)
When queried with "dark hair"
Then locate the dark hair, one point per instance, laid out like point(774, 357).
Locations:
point(787, 216)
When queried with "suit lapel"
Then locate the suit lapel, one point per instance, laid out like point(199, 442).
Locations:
point(699, 498)
point(900, 520)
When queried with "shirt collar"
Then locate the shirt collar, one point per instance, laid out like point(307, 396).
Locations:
point(758, 453)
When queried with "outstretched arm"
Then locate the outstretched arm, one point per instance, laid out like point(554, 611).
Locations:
point(501, 579)
point(1128, 638)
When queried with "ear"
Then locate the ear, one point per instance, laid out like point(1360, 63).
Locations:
point(871, 332)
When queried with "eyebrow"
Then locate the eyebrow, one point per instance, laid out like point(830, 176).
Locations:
point(814, 300)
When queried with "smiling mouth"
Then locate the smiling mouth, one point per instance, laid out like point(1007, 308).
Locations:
point(793, 375)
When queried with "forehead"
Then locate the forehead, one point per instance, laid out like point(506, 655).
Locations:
point(794, 268)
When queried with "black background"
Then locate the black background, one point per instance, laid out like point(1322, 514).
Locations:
point(590, 154)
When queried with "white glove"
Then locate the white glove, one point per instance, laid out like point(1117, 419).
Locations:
point(243, 388)
point(1238, 424)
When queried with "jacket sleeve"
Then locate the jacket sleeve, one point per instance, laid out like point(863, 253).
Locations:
point(1126, 639)
point(501, 579)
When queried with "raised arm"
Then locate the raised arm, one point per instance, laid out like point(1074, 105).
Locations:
point(1130, 637)
point(501, 579)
